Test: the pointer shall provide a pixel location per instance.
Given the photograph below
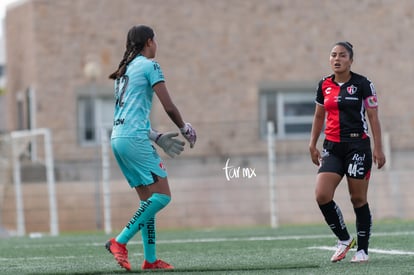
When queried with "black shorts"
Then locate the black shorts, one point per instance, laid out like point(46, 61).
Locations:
point(353, 159)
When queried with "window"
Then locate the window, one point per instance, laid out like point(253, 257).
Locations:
point(290, 107)
point(95, 116)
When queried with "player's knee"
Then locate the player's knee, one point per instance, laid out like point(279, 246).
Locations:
point(322, 198)
point(358, 201)
point(163, 199)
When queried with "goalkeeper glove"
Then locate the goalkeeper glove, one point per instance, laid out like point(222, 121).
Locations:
point(189, 134)
point(171, 146)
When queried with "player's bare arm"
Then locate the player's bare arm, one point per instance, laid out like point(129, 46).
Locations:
point(317, 125)
point(167, 103)
point(378, 153)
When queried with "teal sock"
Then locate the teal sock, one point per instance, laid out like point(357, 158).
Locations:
point(147, 210)
point(148, 240)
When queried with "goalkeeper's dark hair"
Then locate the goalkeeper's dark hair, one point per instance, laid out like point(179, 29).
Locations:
point(136, 39)
point(348, 46)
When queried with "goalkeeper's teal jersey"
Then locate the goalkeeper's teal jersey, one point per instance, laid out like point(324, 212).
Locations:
point(133, 98)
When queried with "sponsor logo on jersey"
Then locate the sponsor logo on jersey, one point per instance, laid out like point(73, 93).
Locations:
point(119, 121)
point(337, 98)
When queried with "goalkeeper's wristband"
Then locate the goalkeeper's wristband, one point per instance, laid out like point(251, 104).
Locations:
point(157, 138)
point(184, 129)
point(154, 135)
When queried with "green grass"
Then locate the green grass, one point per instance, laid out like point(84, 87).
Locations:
point(286, 250)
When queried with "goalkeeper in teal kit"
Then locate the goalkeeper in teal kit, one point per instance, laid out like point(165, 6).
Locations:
point(137, 78)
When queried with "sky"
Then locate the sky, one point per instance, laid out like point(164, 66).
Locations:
point(3, 5)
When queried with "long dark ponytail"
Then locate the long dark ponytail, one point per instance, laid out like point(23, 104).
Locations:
point(136, 39)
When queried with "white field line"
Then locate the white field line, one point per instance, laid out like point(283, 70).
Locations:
point(371, 250)
point(276, 238)
point(43, 258)
point(209, 240)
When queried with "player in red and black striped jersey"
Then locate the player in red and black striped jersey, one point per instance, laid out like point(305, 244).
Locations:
point(345, 105)
point(343, 100)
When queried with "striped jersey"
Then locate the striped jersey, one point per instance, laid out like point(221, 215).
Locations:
point(345, 106)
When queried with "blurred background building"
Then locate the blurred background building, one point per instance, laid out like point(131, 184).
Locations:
point(231, 66)
point(2, 82)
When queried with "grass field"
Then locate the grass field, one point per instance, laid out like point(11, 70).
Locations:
point(286, 250)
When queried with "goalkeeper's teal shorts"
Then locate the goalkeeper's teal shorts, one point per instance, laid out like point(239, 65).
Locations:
point(138, 160)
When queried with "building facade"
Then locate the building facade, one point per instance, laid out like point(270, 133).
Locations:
point(220, 59)
point(231, 66)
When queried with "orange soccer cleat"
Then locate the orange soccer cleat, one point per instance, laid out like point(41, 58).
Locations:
point(342, 248)
point(120, 253)
point(158, 264)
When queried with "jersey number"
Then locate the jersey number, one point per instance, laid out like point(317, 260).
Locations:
point(120, 89)
point(353, 170)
